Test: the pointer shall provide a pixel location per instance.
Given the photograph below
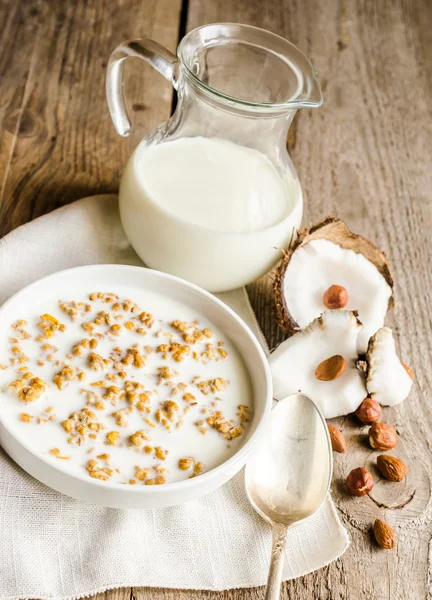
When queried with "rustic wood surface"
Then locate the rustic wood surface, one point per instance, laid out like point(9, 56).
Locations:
point(365, 156)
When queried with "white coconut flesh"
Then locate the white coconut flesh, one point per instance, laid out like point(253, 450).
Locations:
point(294, 362)
point(387, 380)
point(317, 265)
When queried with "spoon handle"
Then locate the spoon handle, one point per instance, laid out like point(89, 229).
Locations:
point(279, 532)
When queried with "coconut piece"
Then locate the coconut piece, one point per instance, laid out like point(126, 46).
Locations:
point(294, 363)
point(387, 380)
point(329, 255)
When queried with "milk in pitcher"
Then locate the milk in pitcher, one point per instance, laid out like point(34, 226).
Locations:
point(209, 210)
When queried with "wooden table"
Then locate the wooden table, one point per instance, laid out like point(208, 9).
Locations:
point(366, 156)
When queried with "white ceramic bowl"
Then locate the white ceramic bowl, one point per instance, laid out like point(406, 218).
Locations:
point(117, 495)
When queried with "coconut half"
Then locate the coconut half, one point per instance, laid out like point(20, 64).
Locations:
point(295, 362)
point(329, 254)
point(387, 380)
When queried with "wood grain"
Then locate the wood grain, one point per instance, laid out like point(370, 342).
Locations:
point(362, 157)
point(365, 156)
point(58, 143)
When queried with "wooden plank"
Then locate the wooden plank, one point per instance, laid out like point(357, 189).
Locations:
point(363, 157)
point(120, 594)
point(58, 143)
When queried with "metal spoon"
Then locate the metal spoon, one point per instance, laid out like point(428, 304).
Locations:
point(289, 473)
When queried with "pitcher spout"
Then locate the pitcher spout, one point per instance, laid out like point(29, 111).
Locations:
point(308, 93)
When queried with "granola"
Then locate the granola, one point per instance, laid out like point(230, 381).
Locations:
point(98, 387)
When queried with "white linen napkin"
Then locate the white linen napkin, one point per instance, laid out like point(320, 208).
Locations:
point(52, 546)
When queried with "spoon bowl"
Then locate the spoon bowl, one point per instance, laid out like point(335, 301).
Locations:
point(289, 472)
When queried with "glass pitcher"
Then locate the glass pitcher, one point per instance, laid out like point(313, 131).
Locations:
point(212, 195)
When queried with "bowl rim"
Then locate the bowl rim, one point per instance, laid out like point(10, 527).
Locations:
point(176, 486)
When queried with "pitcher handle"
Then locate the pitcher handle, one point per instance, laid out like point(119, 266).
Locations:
point(164, 61)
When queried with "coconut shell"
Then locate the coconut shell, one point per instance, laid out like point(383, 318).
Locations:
point(334, 230)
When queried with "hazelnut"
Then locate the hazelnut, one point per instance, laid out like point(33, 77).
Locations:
point(335, 297)
point(384, 535)
point(331, 368)
point(391, 468)
point(359, 482)
point(409, 371)
point(369, 411)
point(382, 436)
point(337, 439)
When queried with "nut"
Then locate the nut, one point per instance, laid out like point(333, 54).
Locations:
point(359, 482)
point(369, 411)
point(391, 468)
point(337, 439)
point(335, 297)
point(331, 368)
point(384, 535)
point(382, 436)
point(409, 371)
